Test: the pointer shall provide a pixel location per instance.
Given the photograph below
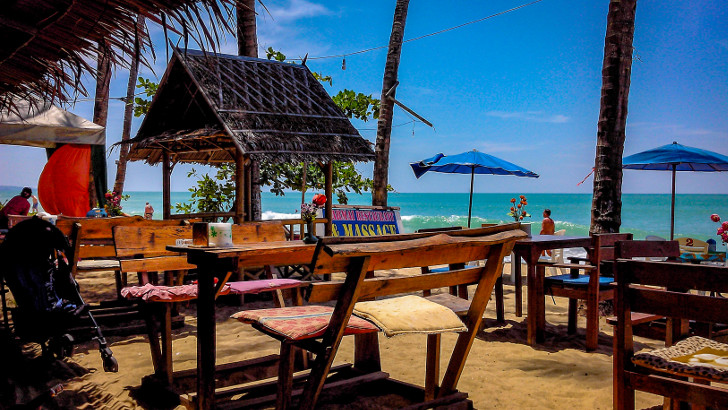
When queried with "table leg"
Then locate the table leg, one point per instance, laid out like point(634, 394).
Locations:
point(518, 283)
point(206, 341)
point(536, 305)
point(540, 272)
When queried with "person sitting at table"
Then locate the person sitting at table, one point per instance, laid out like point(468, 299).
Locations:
point(18, 205)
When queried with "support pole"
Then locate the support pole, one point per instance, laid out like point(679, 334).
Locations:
point(672, 204)
point(248, 197)
point(329, 181)
point(470, 208)
point(166, 190)
point(239, 187)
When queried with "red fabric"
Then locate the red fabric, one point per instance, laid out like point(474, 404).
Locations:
point(155, 293)
point(63, 184)
point(263, 285)
point(301, 322)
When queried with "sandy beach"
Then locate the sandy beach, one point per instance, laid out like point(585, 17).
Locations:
point(502, 371)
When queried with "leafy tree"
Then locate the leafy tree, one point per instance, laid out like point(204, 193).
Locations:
point(141, 105)
point(211, 194)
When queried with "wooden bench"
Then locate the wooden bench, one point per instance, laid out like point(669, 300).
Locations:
point(357, 260)
point(92, 242)
point(662, 288)
point(142, 250)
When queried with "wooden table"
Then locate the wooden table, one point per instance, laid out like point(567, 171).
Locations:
point(217, 262)
point(530, 250)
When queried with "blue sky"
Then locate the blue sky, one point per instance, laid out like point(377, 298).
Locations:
point(524, 86)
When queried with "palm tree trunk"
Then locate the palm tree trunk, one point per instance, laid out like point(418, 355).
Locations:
point(384, 125)
point(248, 46)
point(616, 70)
point(128, 111)
point(97, 184)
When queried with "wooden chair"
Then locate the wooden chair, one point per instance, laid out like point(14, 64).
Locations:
point(460, 291)
point(591, 287)
point(644, 323)
point(357, 259)
point(142, 250)
point(658, 372)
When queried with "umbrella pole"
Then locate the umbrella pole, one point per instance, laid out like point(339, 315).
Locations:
point(672, 205)
point(470, 208)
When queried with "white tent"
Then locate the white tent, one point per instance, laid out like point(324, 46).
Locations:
point(45, 125)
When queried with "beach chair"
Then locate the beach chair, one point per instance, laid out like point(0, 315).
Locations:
point(592, 286)
point(693, 250)
point(557, 256)
point(142, 250)
point(692, 370)
point(320, 329)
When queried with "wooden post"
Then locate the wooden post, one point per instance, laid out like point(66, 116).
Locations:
point(329, 181)
point(248, 204)
point(672, 204)
point(239, 187)
point(166, 190)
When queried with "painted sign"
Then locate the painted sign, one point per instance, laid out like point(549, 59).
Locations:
point(366, 222)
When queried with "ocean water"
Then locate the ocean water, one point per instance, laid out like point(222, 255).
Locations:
point(642, 214)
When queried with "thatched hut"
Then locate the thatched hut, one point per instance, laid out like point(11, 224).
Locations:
point(213, 108)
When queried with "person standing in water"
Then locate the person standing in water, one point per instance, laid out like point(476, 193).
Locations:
point(547, 225)
point(148, 211)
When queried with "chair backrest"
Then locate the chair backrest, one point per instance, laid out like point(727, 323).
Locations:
point(692, 245)
point(660, 297)
point(14, 219)
point(557, 255)
point(603, 246)
point(647, 249)
point(143, 248)
point(443, 248)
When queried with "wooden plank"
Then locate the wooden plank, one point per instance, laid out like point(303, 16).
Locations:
point(675, 275)
point(323, 292)
point(432, 366)
point(693, 393)
point(644, 249)
point(162, 263)
point(678, 304)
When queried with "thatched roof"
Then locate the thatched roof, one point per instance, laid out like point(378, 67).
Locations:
point(210, 105)
point(47, 45)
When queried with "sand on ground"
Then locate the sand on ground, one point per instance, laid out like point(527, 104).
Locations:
point(502, 371)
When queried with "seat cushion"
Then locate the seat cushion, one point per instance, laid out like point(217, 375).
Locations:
point(692, 357)
point(409, 314)
point(157, 293)
point(301, 322)
point(262, 285)
point(582, 280)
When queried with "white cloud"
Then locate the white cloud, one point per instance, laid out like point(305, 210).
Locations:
point(534, 116)
point(675, 130)
point(295, 10)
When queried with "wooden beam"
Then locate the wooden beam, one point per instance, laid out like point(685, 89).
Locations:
point(248, 175)
point(329, 212)
point(166, 187)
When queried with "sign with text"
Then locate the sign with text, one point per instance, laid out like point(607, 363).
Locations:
point(366, 222)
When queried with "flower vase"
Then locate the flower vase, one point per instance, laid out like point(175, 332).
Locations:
point(309, 237)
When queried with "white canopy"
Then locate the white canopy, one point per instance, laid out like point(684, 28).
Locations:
point(45, 125)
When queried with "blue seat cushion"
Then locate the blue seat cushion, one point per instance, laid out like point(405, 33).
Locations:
point(582, 280)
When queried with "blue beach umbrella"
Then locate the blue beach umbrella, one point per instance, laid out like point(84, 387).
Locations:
point(675, 157)
point(471, 162)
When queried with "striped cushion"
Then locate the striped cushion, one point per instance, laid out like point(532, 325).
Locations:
point(301, 322)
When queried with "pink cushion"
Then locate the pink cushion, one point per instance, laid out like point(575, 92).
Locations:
point(301, 322)
point(156, 293)
point(263, 285)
